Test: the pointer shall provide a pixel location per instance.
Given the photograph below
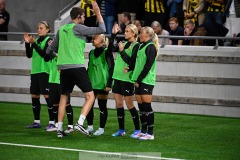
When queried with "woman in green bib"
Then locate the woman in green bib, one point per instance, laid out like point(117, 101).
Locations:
point(55, 93)
point(100, 70)
point(144, 76)
point(36, 49)
point(123, 87)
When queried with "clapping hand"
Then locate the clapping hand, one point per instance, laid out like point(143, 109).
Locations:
point(121, 46)
point(126, 69)
point(26, 37)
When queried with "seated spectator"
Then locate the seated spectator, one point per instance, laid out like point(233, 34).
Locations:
point(216, 30)
point(157, 28)
point(125, 19)
point(236, 43)
point(189, 30)
point(200, 31)
point(175, 30)
point(131, 6)
point(138, 24)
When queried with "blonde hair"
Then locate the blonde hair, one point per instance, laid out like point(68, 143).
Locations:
point(153, 36)
point(105, 40)
point(45, 23)
point(136, 23)
point(134, 29)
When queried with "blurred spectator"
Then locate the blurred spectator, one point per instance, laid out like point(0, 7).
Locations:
point(157, 28)
point(194, 10)
point(232, 12)
point(138, 24)
point(215, 11)
point(108, 10)
point(216, 30)
point(155, 10)
point(4, 20)
point(90, 17)
point(175, 30)
point(189, 30)
point(125, 19)
point(176, 10)
point(130, 6)
point(236, 43)
point(200, 31)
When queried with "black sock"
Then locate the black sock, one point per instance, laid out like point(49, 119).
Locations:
point(120, 115)
point(150, 117)
point(55, 113)
point(140, 112)
point(90, 116)
point(135, 118)
point(143, 116)
point(69, 112)
point(50, 109)
point(102, 103)
point(36, 107)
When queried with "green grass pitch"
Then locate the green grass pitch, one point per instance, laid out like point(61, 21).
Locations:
point(176, 136)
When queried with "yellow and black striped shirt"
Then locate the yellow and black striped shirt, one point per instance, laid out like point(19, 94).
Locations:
point(87, 6)
point(214, 6)
point(154, 6)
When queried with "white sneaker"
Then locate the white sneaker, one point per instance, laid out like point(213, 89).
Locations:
point(137, 134)
point(99, 132)
point(68, 130)
point(90, 130)
point(51, 128)
point(147, 136)
point(81, 129)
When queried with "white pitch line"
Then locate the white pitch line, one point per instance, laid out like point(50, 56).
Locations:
point(87, 151)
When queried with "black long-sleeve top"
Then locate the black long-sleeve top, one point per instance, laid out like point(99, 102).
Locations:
point(41, 52)
point(127, 59)
point(109, 60)
point(151, 54)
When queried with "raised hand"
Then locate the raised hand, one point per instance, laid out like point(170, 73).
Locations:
point(115, 28)
point(95, 8)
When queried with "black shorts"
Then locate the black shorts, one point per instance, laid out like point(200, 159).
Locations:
point(39, 84)
point(98, 91)
point(75, 76)
point(55, 93)
point(144, 89)
point(123, 88)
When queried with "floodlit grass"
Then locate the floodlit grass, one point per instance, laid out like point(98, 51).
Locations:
point(176, 136)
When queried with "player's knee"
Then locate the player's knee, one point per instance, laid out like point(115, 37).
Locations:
point(89, 96)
